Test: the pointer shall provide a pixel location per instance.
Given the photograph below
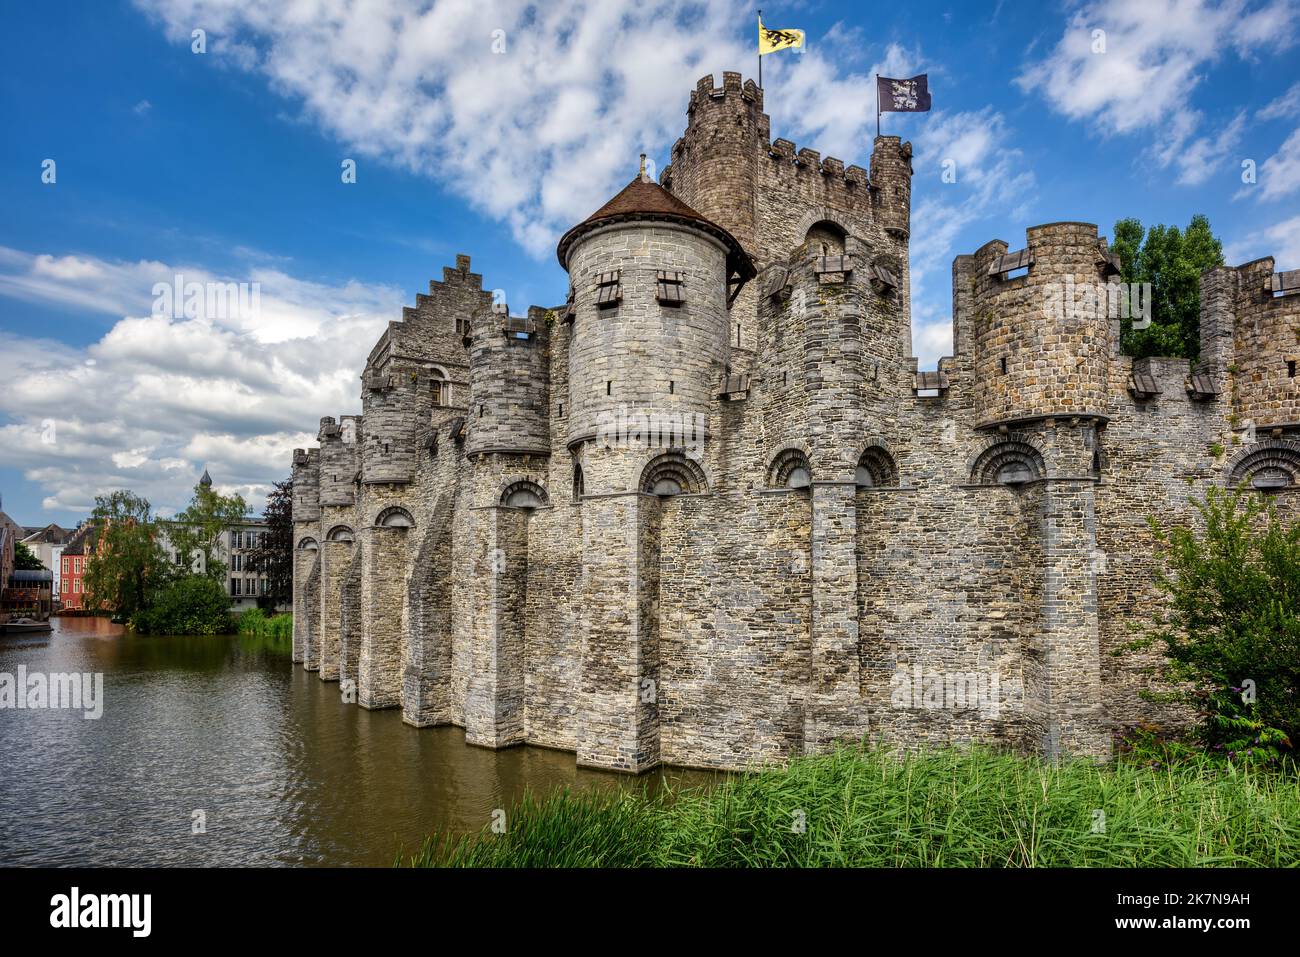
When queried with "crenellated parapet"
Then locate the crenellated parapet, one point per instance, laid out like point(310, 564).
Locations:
point(1039, 331)
point(339, 459)
point(510, 383)
point(891, 184)
point(306, 485)
point(1250, 340)
point(394, 407)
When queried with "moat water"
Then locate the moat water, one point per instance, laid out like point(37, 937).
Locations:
point(282, 771)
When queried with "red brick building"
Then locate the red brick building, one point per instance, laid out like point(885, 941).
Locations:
point(78, 552)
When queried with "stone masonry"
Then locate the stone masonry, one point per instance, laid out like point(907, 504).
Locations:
point(707, 511)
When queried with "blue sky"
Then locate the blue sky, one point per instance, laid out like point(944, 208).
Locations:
point(224, 165)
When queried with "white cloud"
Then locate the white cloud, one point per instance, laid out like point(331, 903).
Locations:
point(1279, 175)
point(537, 136)
point(1286, 105)
point(1281, 241)
point(1196, 161)
point(157, 399)
point(1155, 56)
point(991, 181)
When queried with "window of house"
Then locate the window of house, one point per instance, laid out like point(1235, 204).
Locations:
point(66, 563)
point(63, 586)
point(609, 290)
point(76, 586)
point(669, 287)
point(234, 587)
point(237, 563)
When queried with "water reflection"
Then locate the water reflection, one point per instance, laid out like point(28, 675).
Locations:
point(283, 771)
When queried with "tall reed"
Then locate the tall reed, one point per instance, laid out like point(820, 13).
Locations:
point(946, 808)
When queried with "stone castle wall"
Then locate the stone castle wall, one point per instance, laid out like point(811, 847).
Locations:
point(854, 549)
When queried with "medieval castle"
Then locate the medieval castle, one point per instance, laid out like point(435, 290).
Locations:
point(707, 512)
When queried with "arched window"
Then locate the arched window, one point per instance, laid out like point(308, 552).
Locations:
point(1011, 462)
point(395, 517)
point(824, 239)
point(876, 469)
point(790, 469)
point(1267, 466)
point(523, 494)
point(308, 545)
point(340, 533)
point(578, 487)
point(673, 473)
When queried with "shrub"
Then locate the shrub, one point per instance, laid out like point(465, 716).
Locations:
point(254, 621)
point(192, 605)
point(1232, 633)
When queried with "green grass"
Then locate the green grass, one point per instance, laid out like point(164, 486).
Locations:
point(254, 621)
point(949, 808)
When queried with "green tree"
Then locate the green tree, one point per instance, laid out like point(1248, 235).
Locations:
point(190, 605)
point(1232, 633)
point(274, 555)
point(1172, 262)
point(25, 560)
point(125, 563)
point(196, 532)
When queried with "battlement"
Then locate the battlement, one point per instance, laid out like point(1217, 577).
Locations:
point(509, 383)
point(306, 485)
point(1037, 351)
point(706, 87)
point(1250, 339)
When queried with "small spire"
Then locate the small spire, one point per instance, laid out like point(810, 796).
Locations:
point(206, 481)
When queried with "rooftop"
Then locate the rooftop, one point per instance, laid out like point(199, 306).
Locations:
point(644, 199)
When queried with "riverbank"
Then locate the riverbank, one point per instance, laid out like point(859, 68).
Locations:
point(949, 808)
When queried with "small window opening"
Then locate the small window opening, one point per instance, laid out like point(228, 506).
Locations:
point(1004, 365)
point(609, 387)
point(609, 290)
point(668, 288)
point(1290, 368)
point(672, 386)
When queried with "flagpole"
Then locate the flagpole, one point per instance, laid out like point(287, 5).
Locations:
point(760, 51)
point(877, 106)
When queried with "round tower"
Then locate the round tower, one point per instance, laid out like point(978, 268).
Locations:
point(509, 378)
point(338, 461)
point(306, 485)
point(713, 166)
point(394, 404)
point(891, 184)
point(1041, 326)
point(1266, 344)
point(650, 342)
